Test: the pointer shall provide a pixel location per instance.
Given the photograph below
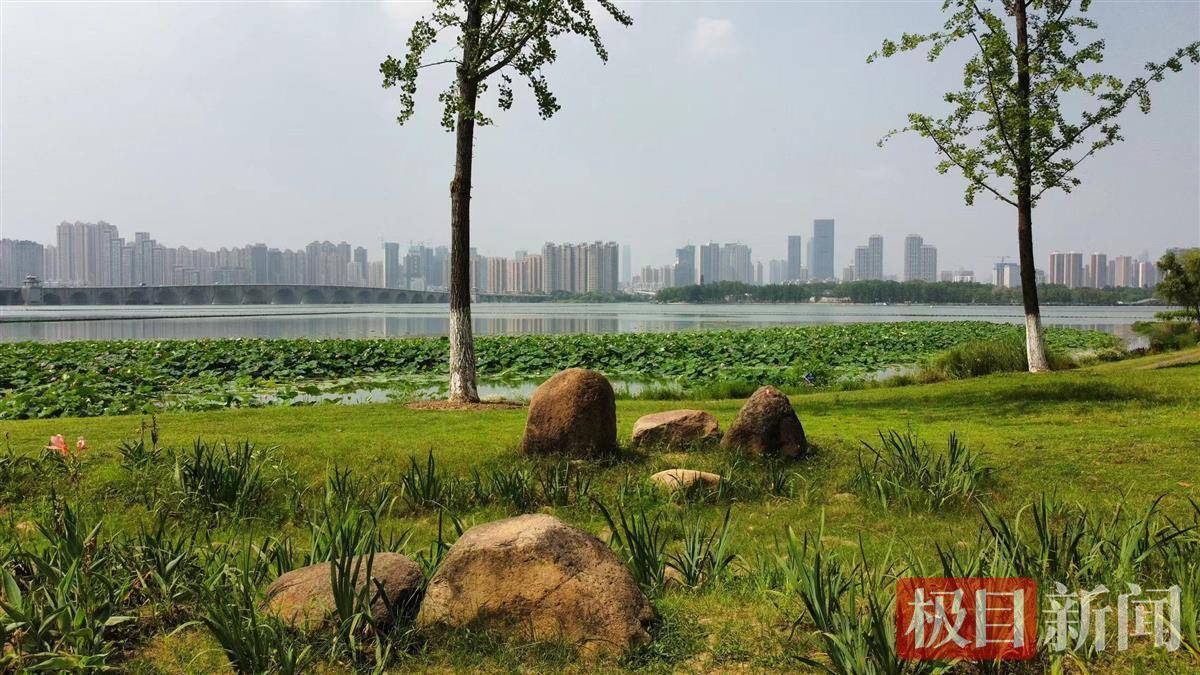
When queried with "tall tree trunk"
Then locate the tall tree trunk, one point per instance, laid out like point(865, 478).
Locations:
point(1035, 341)
point(462, 342)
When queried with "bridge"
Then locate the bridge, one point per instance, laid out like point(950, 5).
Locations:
point(32, 292)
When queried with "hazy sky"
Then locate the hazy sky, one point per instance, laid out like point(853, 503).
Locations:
point(227, 123)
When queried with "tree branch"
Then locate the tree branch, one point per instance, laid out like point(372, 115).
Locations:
point(995, 101)
point(438, 63)
point(983, 18)
point(512, 53)
point(970, 176)
point(1065, 172)
point(1109, 111)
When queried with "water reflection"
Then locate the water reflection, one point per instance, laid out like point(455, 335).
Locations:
point(46, 324)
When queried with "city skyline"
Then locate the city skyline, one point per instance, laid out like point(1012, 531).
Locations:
point(221, 157)
point(94, 254)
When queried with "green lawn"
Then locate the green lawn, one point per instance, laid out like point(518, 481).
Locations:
point(1126, 430)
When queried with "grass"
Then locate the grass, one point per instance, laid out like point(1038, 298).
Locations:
point(1092, 438)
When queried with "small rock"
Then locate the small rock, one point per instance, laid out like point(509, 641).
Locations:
point(767, 425)
point(679, 480)
point(536, 578)
point(573, 413)
point(843, 497)
point(675, 429)
point(304, 597)
point(672, 577)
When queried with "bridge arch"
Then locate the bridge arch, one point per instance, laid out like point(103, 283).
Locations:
point(137, 296)
point(79, 298)
point(197, 296)
point(51, 299)
point(225, 295)
point(107, 297)
point(313, 296)
point(430, 297)
point(364, 297)
point(283, 296)
point(253, 296)
point(342, 296)
point(166, 296)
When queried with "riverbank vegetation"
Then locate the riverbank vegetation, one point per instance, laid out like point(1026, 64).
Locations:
point(898, 292)
point(89, 378)
point(148, 550)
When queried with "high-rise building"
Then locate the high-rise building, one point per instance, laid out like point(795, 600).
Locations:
point(710, 263)
point(685, 265)
point(928, 271)
point(1098, 271)
point(626, 264)
point(1006, 275)
point(19, 259)
point(391, 264)
point(736, 264)
point(868, 260)
point(778, 270)
point(820, 250)
point(862, 263)
point(794, 259)
point(875, 250)
point(1066, 269)
point(579, 268)
point(912, 257)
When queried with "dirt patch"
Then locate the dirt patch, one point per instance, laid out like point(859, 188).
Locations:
point(452, 405)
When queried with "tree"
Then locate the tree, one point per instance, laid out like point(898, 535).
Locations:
point(1008, 131)
point(495, 40)
point(1181, 280)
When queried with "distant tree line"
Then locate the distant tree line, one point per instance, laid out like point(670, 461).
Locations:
point(593, 297)
point(920, 292)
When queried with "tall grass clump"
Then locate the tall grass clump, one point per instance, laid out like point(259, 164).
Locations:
point(62, 603)
point(848, 606)
point(254, 642)
point(703, 555)
point(904, 469)
point(985, 357)
point(1083, 548)
point(220, 478)
point(425, 486)
point(641, 540)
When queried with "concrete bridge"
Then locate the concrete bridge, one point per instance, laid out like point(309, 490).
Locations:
point(231, 294)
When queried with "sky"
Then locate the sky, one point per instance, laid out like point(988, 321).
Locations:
point(226, 123)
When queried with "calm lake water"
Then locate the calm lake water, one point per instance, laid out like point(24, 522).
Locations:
point(49, 324)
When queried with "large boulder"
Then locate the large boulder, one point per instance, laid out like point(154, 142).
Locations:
point(304, 596)
point(573, 413)
point(767, 425)
point(675, 429)
point(683, 480)
point(536, 578)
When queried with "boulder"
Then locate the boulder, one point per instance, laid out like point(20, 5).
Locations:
point(675, 429)
point(535, 578)
point(304, 596)
point(767, 425)
point(573, 413)
point(680, 480)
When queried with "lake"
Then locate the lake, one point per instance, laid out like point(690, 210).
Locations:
point(48, 324)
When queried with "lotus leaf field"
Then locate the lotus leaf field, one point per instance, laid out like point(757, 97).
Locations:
point(89, 378)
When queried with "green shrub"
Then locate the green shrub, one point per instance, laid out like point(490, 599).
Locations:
point(984, 357)
point(1166, 336)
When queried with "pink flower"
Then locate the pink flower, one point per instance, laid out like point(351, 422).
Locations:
point(58, 444)
point(80, 445)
